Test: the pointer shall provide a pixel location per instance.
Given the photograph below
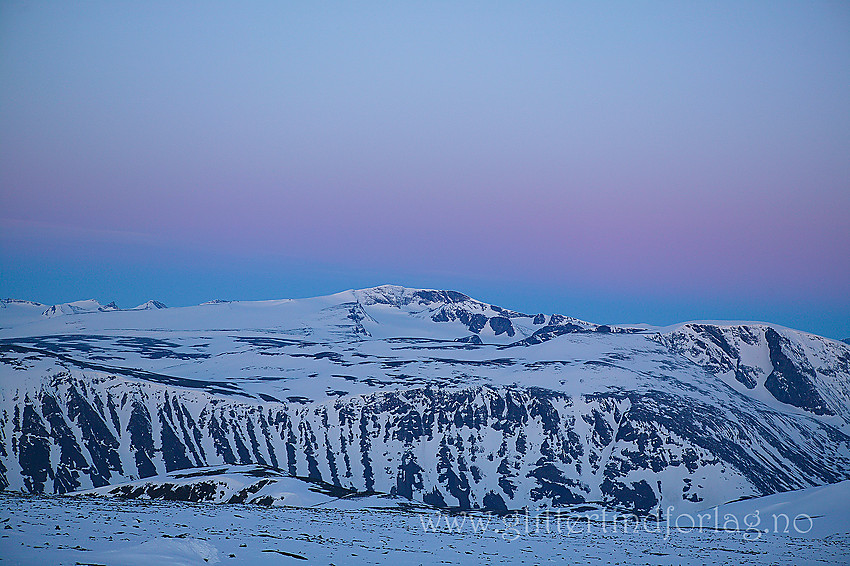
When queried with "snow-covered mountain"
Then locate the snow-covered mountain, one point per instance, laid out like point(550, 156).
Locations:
point(427, 395)
point(79, 307)
point(16, 312)
point(150, 305)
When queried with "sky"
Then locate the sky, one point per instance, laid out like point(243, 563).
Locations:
point(619, 162)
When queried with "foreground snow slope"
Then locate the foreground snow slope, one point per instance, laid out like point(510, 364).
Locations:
point(427, 395)
point(87, 530)
point(815, 512)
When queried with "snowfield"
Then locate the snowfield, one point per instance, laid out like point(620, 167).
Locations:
point(92, 530)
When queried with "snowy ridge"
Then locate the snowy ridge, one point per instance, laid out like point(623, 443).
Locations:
point(258, 485)
point(150, 305)
point(79, 307)
point(426, 395)
point(5, 302)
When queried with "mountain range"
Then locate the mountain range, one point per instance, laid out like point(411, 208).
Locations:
point(427, 396)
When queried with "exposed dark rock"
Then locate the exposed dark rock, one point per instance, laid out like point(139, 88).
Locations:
point(34, 451)
point(501, 325)
point(792, 383)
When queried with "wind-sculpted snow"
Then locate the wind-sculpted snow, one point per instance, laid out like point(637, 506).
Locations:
point(383, 390)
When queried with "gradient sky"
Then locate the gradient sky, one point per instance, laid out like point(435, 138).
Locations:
point(620, 162)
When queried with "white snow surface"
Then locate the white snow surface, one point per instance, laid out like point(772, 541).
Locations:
point(815, 512)
point(67, 530)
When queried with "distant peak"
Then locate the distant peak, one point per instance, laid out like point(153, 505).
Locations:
point(79, 307)
point(5, 302)
point(150, 305)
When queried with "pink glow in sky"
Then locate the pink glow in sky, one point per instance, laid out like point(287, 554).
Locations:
point(696, 153)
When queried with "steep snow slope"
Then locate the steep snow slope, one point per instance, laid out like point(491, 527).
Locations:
point(428, 395)
point(776, 365)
